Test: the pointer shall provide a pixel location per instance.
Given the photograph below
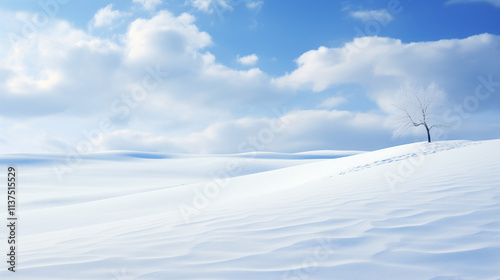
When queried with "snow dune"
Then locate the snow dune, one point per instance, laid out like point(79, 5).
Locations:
point(418, 211)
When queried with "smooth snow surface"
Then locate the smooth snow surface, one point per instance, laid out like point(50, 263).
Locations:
point(419, 211)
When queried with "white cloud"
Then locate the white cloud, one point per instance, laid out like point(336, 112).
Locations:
point(221, 6)
point(493, 2)
point(197, 84)
point(52, 60)
point(381, 65)
point(333, 102)
point(378, 15)
point(45, 80)
point(202, 105)
point(209, 6)
point(292, 132)
point(203, 5)
point(164, 37)
point(148, 4)
point(106, 16)
point(249, 59)
point(255, 5)
point(50, 76)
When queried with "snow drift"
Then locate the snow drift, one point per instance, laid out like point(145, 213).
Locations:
point(418, 211)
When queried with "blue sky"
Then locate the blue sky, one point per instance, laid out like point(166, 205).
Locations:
point(232, 69)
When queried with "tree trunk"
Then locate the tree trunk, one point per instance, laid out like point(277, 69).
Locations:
point(428, 133)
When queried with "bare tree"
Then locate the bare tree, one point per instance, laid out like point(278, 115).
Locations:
point(417, 106)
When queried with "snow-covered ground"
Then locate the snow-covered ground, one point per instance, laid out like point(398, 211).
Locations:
point(418, 211)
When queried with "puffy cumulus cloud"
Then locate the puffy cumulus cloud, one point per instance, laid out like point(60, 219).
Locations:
point(107, 16)
point(381, 65)
point(68, 81)
point(248, 60)
point(196, 100)
point(64, 72)
point(48, 71)
point(164, 39)
point(378, 15)
point(195, 78)
point(148, 4)
point(64, 69)
point(294, 131)
point(493, 2)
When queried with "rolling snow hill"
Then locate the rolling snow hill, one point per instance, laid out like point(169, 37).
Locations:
point(418, 211)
